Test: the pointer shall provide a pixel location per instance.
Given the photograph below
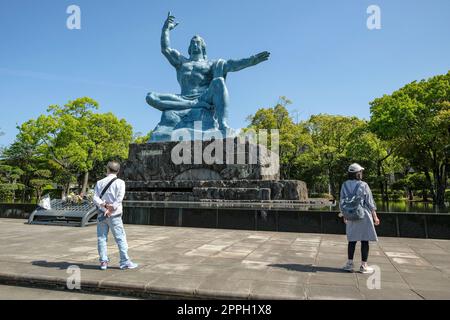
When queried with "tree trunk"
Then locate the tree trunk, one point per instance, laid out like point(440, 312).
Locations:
point(381, 182)
point(425, 195)
point(38, 195)
point(430, 183)
point(85, 182)
point(330, 183)
point(410, 194)
point(65, 191)
point(441, 185)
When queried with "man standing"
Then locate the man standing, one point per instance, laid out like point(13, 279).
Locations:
point(109, 194)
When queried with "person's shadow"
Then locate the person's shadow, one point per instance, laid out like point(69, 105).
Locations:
point(65, 265)
point(306, 268)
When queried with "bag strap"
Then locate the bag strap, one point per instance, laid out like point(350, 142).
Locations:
point(358, 185)
point(107, 187)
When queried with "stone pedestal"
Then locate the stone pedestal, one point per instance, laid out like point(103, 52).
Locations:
point(241, 172)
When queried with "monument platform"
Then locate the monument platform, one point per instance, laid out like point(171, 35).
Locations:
point(222, 264)
point(194, 171)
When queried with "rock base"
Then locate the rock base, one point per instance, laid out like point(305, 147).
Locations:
point(203, 191)
point(241, 172)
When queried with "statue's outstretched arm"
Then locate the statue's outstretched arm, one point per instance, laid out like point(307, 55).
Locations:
point(237, 65)
point(174, 57)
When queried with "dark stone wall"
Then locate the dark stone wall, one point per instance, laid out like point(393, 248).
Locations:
point(16, 210)
point(153, 162)
point(433, 226)
point(152, 173)
point(430, 225)
point(234, 190)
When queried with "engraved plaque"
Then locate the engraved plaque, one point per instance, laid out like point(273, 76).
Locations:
point(151, 153)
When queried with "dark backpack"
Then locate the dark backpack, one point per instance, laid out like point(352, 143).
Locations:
point(352, 205)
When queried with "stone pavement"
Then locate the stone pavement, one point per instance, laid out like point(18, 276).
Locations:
point(223, 264)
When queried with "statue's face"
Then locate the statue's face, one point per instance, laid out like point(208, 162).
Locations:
point(197, 46)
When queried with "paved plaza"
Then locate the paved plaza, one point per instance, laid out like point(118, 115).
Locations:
point(222, 264)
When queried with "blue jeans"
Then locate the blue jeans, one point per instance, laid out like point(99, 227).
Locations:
point(116, 226)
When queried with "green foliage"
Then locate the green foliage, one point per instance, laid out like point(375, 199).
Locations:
point(40, 181)
point(293, 139)
point(331, 137)
point(69, 141)
point(140, 139)
point(416, 118)
point(395, 195)
point(9, 185)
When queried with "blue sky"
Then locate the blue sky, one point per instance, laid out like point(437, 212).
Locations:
point(323, 56)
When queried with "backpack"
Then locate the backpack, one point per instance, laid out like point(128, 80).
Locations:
point(351, 206)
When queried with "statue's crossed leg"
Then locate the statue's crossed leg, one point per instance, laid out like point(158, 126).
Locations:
point(215, 97)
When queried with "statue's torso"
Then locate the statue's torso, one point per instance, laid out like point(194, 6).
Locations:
point(195, 77)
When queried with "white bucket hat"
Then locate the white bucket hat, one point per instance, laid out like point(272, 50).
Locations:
point(355, 168)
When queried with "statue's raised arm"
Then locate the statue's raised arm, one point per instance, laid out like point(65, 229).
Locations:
point(237, 65)
point(174, 57)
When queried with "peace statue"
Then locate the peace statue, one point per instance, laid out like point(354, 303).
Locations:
point(204, 94)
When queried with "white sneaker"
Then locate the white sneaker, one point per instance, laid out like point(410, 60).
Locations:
point(348, 267)
point(129, 266)
point(366, 269)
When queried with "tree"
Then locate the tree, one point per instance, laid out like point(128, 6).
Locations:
point(376, 155)
point(294, 139)
point(138, 138)
point(110, 138)
point(40, 180)
point(22, 154)
point(331, 136)
point(411, 183)
point(417, 119)
point(9, 182)
point(72, 138)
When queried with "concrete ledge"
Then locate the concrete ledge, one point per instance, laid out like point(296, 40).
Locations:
point(122, 289)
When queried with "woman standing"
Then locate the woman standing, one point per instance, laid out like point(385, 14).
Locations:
point(362, 230)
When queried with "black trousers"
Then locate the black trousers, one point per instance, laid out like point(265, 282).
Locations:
point(364, 250)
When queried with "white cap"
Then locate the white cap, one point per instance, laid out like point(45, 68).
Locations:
point(355, 168)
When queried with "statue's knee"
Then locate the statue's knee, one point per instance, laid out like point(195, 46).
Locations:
point(152, 98)
point(170, 118)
